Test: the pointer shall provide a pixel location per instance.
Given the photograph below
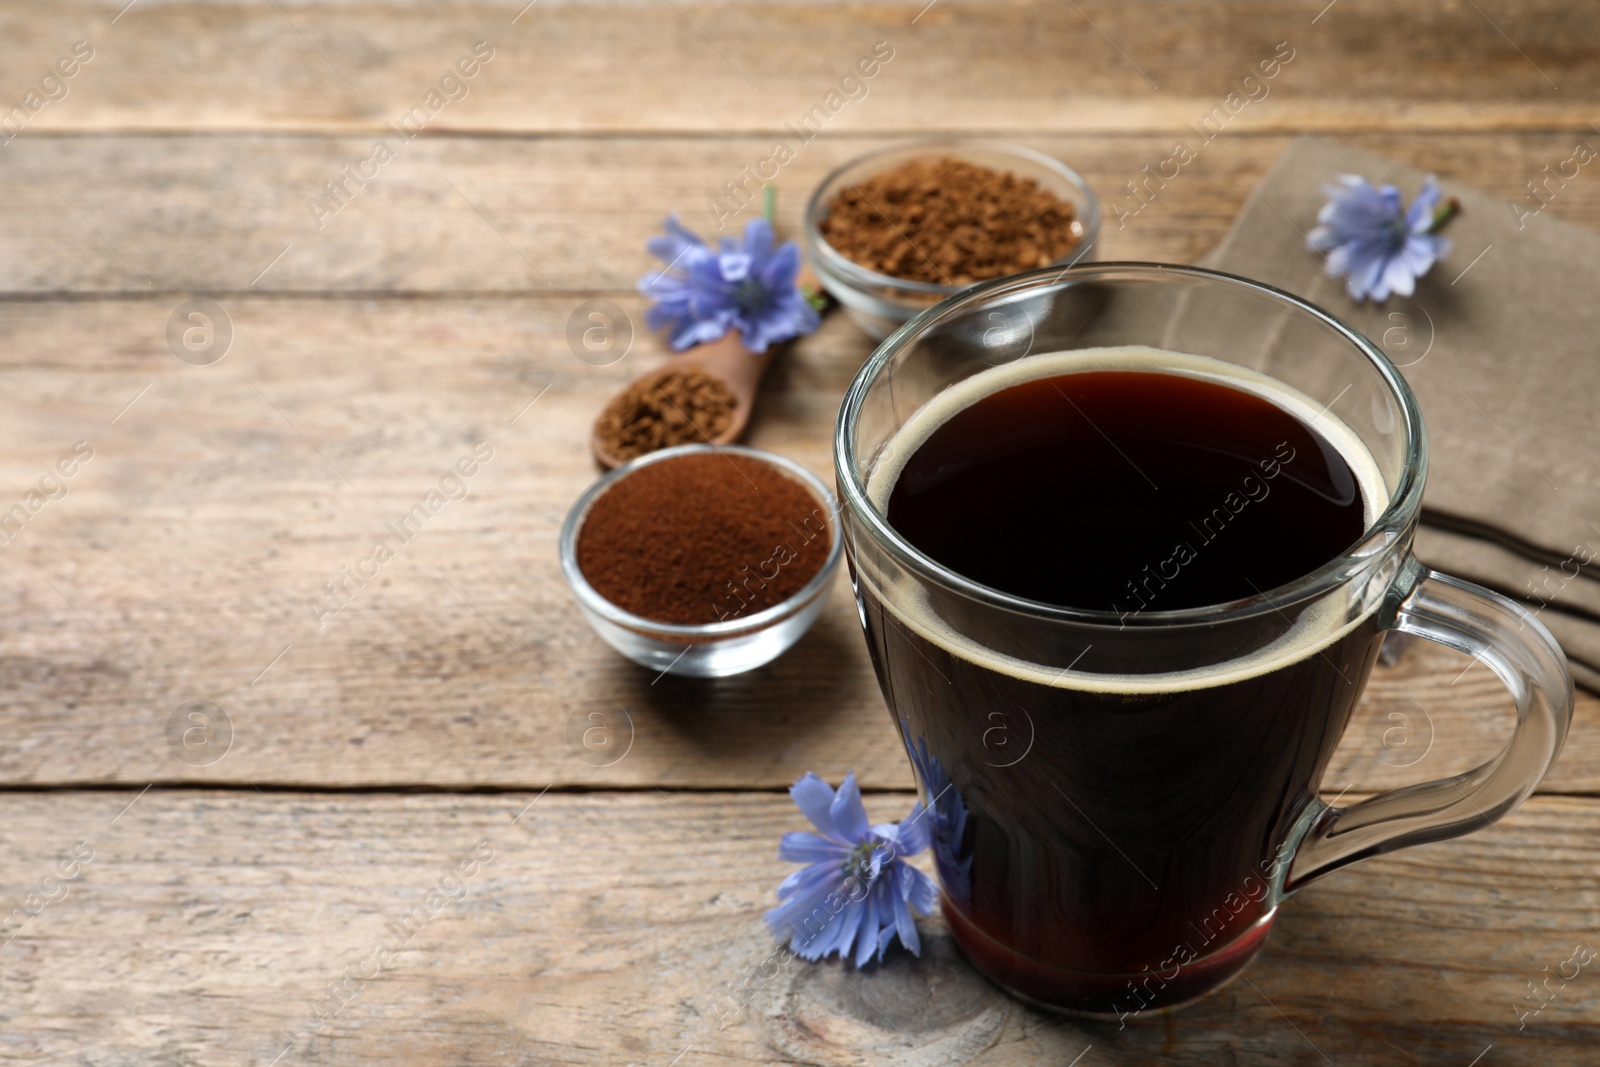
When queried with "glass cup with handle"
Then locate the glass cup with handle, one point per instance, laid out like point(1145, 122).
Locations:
point(1120, 800)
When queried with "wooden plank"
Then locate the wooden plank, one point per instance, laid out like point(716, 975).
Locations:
point(599, 929)
point(219, 499)
point(510, 215)
point(235, 212)
point(1098, 65)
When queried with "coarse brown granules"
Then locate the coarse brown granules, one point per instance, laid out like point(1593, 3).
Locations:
point(703, 538)
point(675, 407)
point(948, 221)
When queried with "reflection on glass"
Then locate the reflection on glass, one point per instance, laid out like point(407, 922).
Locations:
point(947, 810)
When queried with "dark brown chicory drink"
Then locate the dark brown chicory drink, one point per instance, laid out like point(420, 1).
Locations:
point(1113, 835)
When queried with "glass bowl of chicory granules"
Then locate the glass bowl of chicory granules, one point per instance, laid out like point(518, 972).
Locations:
point(702, 560)
point(895, 231)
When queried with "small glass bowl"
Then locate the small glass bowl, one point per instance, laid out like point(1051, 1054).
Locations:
point(879, 303)
point(715, 649)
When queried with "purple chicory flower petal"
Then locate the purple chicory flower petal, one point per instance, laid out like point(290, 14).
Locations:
point(799, 846)
point(677, 242)
point(866, 946)
point(759, 240)
point(820, 875)
point(1420, 215)
point(846, 929)
point(920, 891)
point(735, 266)
point(904, 925)
point(789, 316)
point(809, 903)
point(848, 814)
point(814, 798)
point(782, 267)
point(915, 831)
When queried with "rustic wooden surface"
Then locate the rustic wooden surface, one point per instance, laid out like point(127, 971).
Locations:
point(208, 926)
point(228, 204)
point(618, 921)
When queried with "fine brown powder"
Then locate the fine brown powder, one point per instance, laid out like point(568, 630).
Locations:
point(674, 407)
point(949, 222)
point(703, 538)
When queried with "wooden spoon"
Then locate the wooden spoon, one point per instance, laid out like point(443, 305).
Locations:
point(726, 359)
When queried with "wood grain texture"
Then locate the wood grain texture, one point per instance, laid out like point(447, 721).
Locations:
point(122, 214)
point(181, 562)
point(1007, 66)
point(607, 929)
point(428, 316)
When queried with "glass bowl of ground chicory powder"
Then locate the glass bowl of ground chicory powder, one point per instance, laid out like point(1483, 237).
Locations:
point(702, 560)
point(895, 231)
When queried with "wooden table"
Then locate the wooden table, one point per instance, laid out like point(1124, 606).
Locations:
point(194, 904)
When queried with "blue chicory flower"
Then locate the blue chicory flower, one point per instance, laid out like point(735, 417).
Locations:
point(1374, 242)
point(702, 292)
point(856, 888)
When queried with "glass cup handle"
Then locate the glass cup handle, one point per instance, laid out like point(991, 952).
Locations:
point(1517, 647)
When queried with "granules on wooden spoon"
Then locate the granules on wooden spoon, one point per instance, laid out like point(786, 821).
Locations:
point(702, 538)
point(950, 222)
point(676, 407)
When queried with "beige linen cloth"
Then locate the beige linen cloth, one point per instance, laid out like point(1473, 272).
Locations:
point(1501, 342)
